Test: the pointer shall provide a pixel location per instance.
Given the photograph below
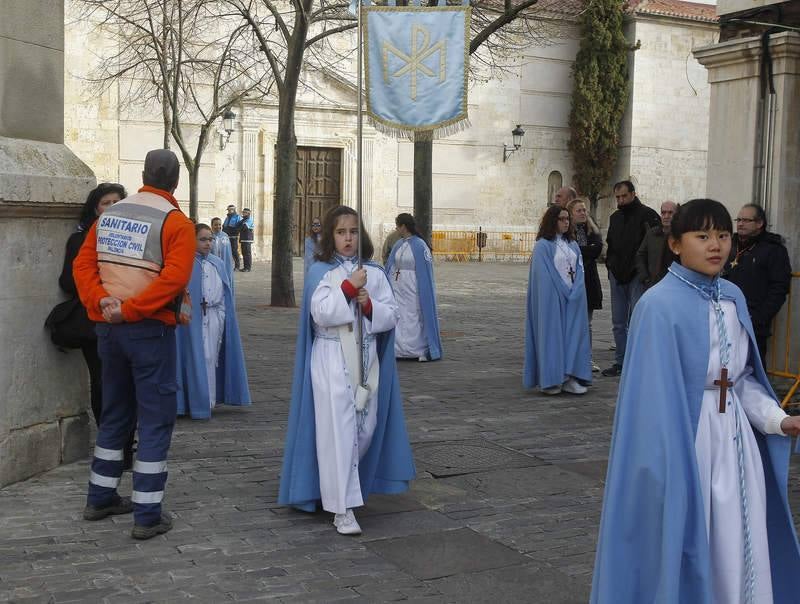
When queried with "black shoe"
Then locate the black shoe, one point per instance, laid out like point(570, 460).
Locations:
point(122, 505)
point(148, 532)
point(613, 371)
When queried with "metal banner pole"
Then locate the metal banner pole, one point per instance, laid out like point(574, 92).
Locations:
point(359, 184)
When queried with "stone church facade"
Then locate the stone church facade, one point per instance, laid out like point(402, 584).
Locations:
point(663, 144)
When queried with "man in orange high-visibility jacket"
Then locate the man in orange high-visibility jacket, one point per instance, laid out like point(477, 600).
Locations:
point(130, 274)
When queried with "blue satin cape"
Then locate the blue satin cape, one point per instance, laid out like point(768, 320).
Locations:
point(309, 248)
point(223, 251)
point(556, 322)
point(653, 545)
point(388, 465)
point(426, 291)
point(232, 387)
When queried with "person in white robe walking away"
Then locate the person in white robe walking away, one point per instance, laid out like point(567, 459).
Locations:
point(410, 271)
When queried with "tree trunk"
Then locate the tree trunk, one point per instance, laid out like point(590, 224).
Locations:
point(194, 173)
point(285, 183)
point(423, 188)
point(282, 281)
point(594, 196)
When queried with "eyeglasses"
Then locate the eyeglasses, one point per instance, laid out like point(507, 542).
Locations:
point(744, 220)
point(315, 224)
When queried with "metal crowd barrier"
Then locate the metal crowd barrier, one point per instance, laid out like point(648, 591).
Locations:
point(783, 354)
point(482, 246)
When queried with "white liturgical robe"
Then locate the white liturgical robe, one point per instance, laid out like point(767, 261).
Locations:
point(340, 443)
point(212, 308)
point(715, 447)
point(409, 337)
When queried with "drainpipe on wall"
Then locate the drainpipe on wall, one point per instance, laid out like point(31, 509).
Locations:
point(765, 129)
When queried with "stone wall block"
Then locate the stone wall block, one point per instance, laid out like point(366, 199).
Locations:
point(75, 438)
point(29, 451)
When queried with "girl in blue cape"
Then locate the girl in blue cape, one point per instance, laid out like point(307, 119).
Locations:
point(346, 437)
point(311, 243)
point(695, 506)
point(557, 349)
point(410, 270)
point(211, 369)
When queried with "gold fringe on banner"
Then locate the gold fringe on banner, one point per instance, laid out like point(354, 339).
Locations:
point(444, 131)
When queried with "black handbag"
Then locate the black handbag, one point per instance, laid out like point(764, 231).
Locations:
point(69, 325)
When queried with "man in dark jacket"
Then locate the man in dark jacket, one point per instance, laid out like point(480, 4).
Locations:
point(759, 265)
point(626, 229)
point(650, 264)
point(231, 228)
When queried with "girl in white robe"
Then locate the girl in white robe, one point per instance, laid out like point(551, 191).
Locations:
point(343, 434)
point(213, 317)
point(695, 506)
point(409, 338)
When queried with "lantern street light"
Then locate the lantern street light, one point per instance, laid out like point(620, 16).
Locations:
point(517, 134)
point(227, 126)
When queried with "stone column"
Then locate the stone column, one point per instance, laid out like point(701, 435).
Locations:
point(735, 164)
point(733, 72)
point(43, 414)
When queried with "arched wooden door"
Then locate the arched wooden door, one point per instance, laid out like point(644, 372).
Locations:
point(319, 179)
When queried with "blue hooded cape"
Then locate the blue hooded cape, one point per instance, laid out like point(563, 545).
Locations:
point(426, 290)
point(556, 323)
point(653, 545)
point(388, 465)
point(222, 249)
point(232, 387)
point(309, 249)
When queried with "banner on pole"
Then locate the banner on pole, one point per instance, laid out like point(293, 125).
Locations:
point(416, 65)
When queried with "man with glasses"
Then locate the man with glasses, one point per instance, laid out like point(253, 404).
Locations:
point(759, 264)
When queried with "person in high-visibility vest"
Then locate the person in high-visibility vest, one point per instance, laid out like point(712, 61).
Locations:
point(131, 274)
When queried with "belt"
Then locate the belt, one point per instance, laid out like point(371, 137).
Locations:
point(323, 336)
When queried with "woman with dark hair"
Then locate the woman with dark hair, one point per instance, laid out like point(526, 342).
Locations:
point(587, 235)
point(695, 498)
point(557, 352)
point(346, 436)
point(311, 243)
point(99, 200)
point(410, 270)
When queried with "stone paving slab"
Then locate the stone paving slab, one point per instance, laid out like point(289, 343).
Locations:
point(444, 553)
point(526, 583)
point(539, 505)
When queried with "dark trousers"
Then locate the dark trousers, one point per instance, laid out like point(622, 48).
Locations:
point(89, 350)
point(139, 376)
point(761, 341)
point(95, 366)
point(247, 254)
point(235, 251)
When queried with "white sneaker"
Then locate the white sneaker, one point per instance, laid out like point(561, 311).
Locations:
point(423, 359)
point(573, 387)
point(551, 390)
point(346, 524)
point(595, 367)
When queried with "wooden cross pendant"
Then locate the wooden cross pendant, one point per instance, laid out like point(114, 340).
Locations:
point(397, 274)
point(723, 384)
point(571, 272)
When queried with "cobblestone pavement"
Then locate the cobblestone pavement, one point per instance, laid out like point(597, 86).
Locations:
point(505, 508)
